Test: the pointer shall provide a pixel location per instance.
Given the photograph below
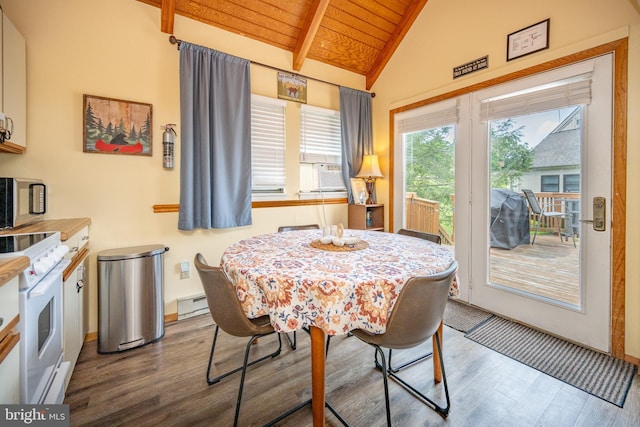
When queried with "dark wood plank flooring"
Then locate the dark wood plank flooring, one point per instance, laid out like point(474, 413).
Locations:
point(163, 384)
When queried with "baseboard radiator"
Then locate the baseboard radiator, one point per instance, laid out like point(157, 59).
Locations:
point(194, 305)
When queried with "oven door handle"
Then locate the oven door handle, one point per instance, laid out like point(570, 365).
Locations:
point(50, 280)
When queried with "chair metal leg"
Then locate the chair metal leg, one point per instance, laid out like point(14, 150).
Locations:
point(568, 218)
point(442, 410)
point(536, 232)
point(211, 381)
point(244, 373)
point(573, 234)
point(292, 343)
point(406, 364)
point(385, 374)
point(557, 220)
point(303, 405)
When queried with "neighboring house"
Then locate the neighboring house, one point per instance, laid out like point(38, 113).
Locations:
point(556, 160)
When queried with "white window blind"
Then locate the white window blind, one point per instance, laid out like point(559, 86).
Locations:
point(320, 135)
point(437, 115)
point(563, 93)
point(267, 144)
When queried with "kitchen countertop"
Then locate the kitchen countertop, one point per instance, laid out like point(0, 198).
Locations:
point(66, 227)
point(11, 267)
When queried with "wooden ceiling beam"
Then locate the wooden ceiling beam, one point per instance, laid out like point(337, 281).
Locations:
point(394, 41)
point(167, 14)
point(308, 33)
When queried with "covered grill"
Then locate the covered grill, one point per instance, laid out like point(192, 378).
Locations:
point(509, 226)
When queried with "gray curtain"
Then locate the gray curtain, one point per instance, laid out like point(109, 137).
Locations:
point(357, 132)
point(215, 140)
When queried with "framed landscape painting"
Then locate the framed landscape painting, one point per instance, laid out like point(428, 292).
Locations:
point(116, 126)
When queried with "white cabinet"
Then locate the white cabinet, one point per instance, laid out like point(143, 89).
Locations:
point(73, 319)
point(77, 243)
point(13, 90)
point(74, 291)
point(9, 343)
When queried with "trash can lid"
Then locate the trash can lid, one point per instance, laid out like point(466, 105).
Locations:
point(132, 252)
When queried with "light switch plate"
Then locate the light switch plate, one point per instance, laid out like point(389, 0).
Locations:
point(184, 270)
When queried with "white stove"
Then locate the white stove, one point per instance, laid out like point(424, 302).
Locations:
point(42, 372)
point(44, 250)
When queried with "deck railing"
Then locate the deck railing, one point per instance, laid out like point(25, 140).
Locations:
point(558, 202)
point(424, 214)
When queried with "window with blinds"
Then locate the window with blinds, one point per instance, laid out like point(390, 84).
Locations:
point(444, 113)
point(563, 93)
point(267, 145)
point(320, 135)
point(320, 150)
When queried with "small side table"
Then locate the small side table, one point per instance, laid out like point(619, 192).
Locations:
point(366, 217)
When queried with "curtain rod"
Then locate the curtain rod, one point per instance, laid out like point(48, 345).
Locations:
point(176, 41)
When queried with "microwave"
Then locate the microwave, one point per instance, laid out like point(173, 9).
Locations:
point(22, 201)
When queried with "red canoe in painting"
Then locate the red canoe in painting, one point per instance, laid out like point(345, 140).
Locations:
point(129, 148)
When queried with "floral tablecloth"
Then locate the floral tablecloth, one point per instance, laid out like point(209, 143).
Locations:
point(298, 285)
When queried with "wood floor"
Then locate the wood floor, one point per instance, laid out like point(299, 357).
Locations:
point(163, 384)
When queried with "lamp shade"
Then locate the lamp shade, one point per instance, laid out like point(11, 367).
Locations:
point(370, 167)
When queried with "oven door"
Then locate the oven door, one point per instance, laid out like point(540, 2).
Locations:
point(41, 335)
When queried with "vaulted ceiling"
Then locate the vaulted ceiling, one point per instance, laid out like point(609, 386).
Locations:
point(355, 35)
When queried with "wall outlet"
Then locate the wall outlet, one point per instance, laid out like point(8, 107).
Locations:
point(184, 270)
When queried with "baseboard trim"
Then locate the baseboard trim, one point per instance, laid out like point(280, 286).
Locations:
point(632, 359)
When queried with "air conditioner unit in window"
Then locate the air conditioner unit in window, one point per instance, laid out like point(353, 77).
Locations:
point(328, 177)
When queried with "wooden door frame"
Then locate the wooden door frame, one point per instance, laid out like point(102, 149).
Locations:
point(619, 191)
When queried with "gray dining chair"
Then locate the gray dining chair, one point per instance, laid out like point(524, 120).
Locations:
point(298, 227)
point(227, 313)
point(435, 238)
point(415, 317)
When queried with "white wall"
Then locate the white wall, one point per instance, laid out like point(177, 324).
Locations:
point(115, 49)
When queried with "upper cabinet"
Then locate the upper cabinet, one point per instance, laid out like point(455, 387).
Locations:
point(13, 90)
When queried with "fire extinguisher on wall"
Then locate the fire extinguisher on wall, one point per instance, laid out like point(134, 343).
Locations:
point(167, 146)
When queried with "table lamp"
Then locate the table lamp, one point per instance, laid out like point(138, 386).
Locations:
point(370, 170)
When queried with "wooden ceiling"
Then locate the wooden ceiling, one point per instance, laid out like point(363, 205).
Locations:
point(355, 35)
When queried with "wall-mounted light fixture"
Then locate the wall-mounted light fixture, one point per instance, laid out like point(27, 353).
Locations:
point(370, 170)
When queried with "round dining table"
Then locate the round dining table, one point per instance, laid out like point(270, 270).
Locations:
point(300, 282)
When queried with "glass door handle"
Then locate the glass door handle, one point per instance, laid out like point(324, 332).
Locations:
point(599, 214)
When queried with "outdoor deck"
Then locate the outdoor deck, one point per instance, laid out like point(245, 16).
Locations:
point(548, 268)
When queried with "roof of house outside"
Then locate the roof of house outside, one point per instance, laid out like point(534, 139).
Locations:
point(561, 147)
point(558, 149)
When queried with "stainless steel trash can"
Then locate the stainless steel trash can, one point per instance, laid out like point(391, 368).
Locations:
point(130, 297)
